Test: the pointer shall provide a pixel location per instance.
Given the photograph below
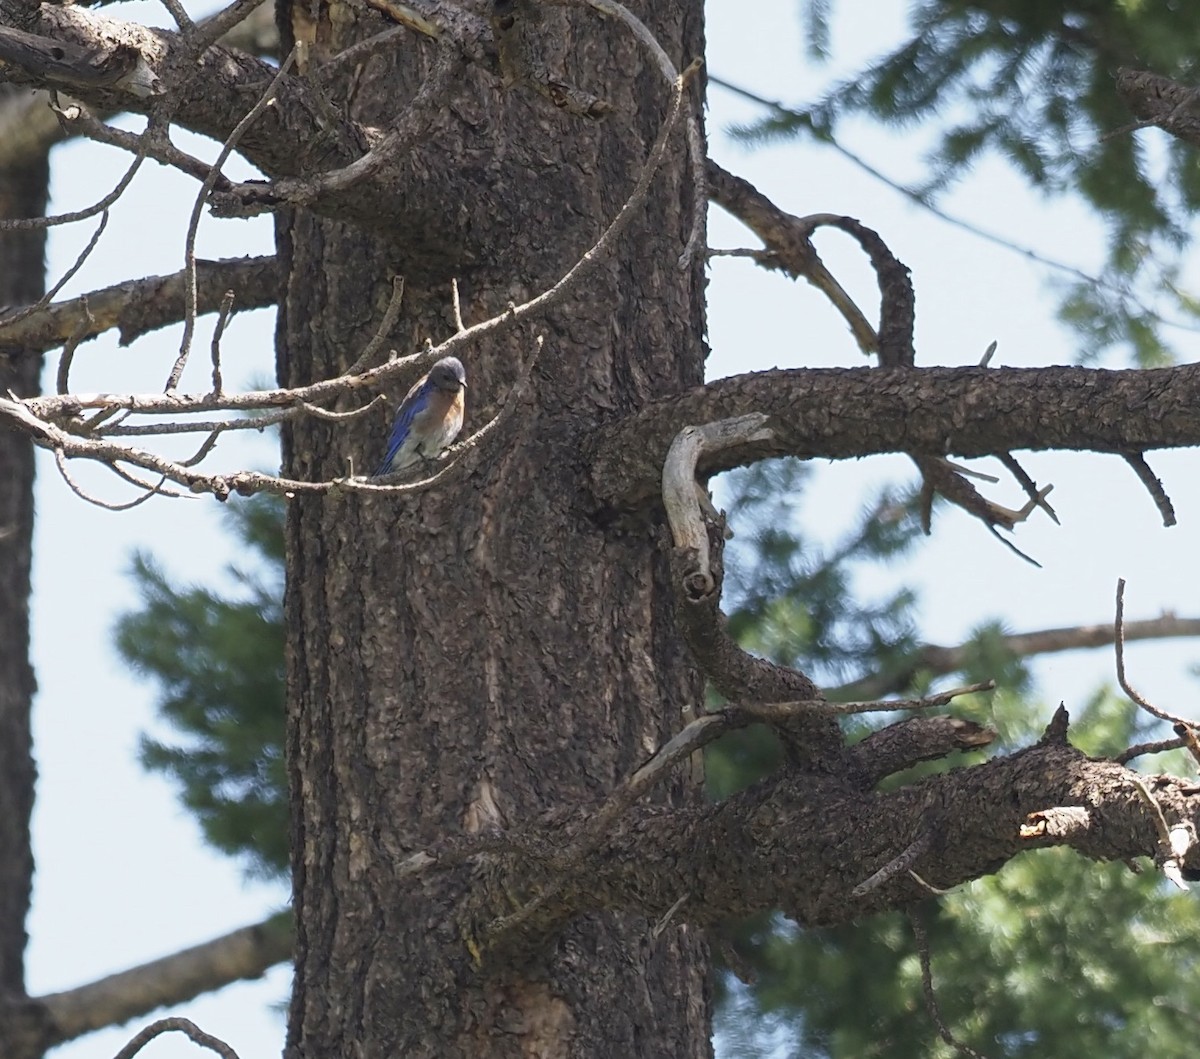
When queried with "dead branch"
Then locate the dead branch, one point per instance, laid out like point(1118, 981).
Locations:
point(244, 953)
point(788, 242)
point(1157, 100)
point(177, 1025)
point(59, 426)
point(63, 280)
point(923, 201)
point(1153, 486)
point(697, 572)
point(137, 307)
point(902, 862)
point(846, 413)
point(941, 698)
point(29, 127)
point(934, 660)
point(931, 1004)
point(232, 80)
point(244, 200)
point(915, 739)
point(1139, 699)
point(189, 254)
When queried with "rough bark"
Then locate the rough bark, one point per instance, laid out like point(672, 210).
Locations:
point(23, 191)
point(136, 307)
point(485, 653)
point(842, 413)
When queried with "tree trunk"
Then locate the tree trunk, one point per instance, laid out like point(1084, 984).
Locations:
point(495, 647)
point(23, 192)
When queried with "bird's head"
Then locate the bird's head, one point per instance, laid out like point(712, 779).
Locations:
point(448, 374)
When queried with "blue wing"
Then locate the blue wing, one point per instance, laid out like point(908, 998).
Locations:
point(415, 403)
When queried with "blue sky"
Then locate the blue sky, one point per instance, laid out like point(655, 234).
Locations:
point(122, 874)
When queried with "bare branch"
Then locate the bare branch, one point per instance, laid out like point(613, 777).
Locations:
point(137, 307)
point(846, 413)
point(1158, 100)
point(222, 319)
point(108, 505)
point(1160, 746)
point(789, 245)
point(931, 1004)
point(1140, 700)
point(915, 739)
point(244, 200)
point(925, 202)
point(232, 81)
point(934, 660)
point(178, 1025)
point(942, 698)
point(904, 861)
point(189, 255)
point(390, 315)
point(243, 953)
point(28, 126)
point(46, 298)
point(222, 26)
point(1153, 486)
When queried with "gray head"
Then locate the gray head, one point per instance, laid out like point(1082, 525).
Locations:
point(448, 374)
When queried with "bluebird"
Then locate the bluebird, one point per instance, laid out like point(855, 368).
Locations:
point(430, 416)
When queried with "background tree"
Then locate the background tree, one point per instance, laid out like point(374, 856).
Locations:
point(611, 465)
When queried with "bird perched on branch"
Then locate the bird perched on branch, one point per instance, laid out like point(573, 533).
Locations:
point(430, 416)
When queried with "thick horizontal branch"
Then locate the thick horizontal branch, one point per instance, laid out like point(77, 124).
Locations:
point(935, 660)
point(1157, 100)
point(139, 306)
point(842, 413)
point(244, 953)
point(804, 844)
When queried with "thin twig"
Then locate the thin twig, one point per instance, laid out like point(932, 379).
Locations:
point(334, 417)
point(942, 698)
point(923, 201)
point(1119, 639)
point(60, 461)
point(1139, 749)
point(159, 488)
point(213, 29)
point(189, 257)
point(218, 331)
point(1153, 486)
point(205, 1040)
point(26, 223)
point(63, 376)
point(160, 149)
point(903, 861)
point(413, 123)
point(931, 1004)
point(390, 315)
point(46, 298)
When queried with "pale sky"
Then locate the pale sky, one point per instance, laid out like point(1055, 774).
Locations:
point(122, 873)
